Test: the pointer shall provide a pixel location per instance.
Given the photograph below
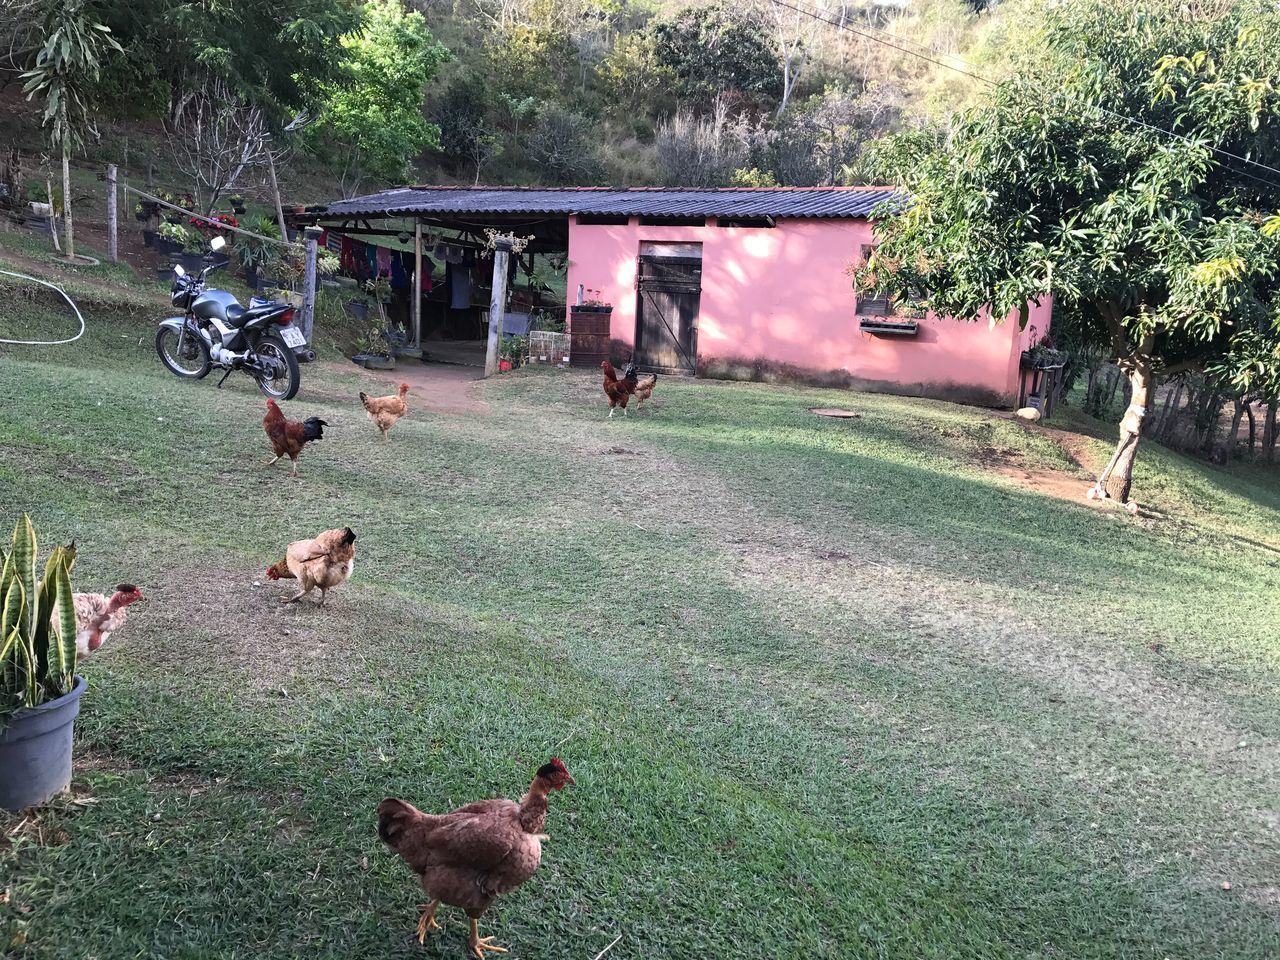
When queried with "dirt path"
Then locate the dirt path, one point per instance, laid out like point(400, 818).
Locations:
point(439, 387)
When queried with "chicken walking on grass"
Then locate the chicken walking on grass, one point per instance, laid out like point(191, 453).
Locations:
point(469, 857)
point(98, 616)
point(288, 437)
point(385, 411)
point(323, 561)
point(641, 388)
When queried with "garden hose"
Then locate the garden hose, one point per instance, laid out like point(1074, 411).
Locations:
point(46, 343)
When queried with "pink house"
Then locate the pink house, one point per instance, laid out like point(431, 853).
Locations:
point(732, 283)
point(754, 284)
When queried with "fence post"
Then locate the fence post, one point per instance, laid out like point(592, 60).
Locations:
point(113, 225)
point(497, 304)
point(312, 235)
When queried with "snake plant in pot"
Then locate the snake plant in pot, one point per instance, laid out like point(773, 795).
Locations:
point(39, 689)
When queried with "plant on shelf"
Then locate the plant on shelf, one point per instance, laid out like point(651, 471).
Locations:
point(182, 238)
point(594, 303)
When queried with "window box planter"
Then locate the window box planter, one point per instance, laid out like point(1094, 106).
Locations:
point(35, 751)
point(886, 327)
point(592, 308)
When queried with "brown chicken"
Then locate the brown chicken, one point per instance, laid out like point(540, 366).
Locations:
point(98, 616)
point(641, 388)
point(324, 561)
point(617, 390)
point(468, 857)
point(288, 437)
point(385, 411)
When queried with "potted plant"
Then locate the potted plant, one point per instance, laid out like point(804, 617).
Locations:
point(374, 349)
point(237, 204)
point(255, 255)
point(593, 303)
point(39, 690)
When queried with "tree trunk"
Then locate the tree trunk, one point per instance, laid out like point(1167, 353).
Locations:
point(1253, 426)
point(1269, 431)
point(1120, 480)
point(1169, 423)
point(1233, 436)
point(66, 198)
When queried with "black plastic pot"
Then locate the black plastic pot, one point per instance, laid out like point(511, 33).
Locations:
point(371, 362)
point(35, 751)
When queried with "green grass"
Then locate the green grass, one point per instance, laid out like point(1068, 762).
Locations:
point(829, 688)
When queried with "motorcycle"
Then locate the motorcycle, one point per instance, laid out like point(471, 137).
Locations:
point(216, 331)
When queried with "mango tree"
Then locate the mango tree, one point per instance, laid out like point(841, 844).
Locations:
point(1125, 172)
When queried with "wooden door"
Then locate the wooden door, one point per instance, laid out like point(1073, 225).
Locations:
point(669, 291)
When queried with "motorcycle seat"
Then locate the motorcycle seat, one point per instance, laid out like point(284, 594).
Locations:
point(237, 316)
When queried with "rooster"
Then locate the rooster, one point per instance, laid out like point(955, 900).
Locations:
point(324, 561)
point(468, 857)
point(98, 616)
point(385, 411)
point(618, 391)
point(640, 389)
point(288, 437)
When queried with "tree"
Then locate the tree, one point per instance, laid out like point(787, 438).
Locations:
point(563, 146)
point(466, 131)
point(715, 49)
point(1163, 243)
point(66, 66)
point(277, 55)
point(214, 137)
point(372, 118)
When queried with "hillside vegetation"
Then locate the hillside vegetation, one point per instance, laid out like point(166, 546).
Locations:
point(521, 91)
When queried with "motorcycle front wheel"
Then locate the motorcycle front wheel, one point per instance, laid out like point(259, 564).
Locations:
point(283, 383)
point(185, 356)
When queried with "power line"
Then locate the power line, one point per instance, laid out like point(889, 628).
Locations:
point(842, 24)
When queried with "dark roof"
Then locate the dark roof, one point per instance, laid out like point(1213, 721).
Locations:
point(844, 202)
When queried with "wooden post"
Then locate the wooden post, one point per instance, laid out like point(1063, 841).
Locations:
point(275, 193)
point(497, 304)
point(113, 226)
point(309, 281)
point(416, 287)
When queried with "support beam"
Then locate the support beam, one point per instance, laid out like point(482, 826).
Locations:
point(497, 305)
point(312, 235)
point(416, 287)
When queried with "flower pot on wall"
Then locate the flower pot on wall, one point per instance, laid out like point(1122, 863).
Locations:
point(35, 751)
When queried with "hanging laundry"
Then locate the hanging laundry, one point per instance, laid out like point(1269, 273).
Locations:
point(428, 268)
point(348, 256)
point(384, 261)
point(371, 260)
point(458, 276)
point(399, 274)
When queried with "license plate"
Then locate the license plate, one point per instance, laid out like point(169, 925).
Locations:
point(292, 337)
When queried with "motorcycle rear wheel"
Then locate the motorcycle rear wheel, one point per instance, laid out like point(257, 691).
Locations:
point(285, 385)
point(191, 362)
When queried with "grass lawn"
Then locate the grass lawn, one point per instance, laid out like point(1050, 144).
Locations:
point(828, 688)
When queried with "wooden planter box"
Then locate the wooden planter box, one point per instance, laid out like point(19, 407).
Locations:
point(589, 334)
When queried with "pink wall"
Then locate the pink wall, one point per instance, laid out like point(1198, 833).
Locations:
point(780, 299)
